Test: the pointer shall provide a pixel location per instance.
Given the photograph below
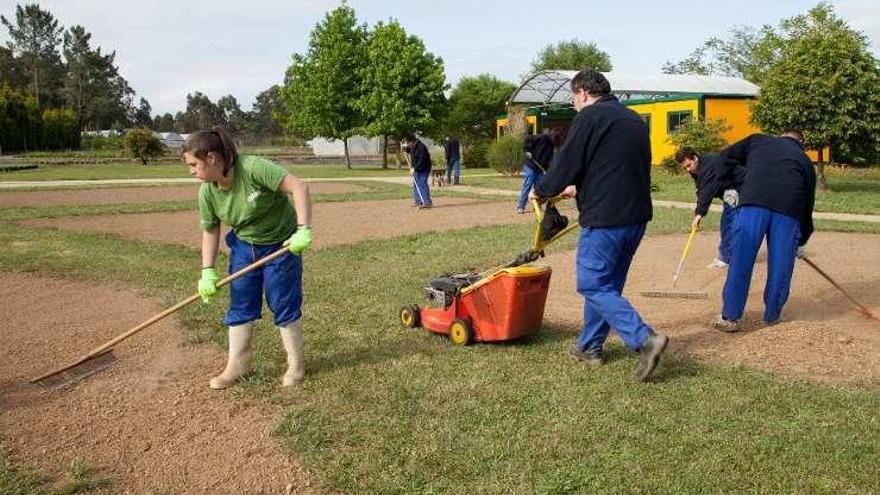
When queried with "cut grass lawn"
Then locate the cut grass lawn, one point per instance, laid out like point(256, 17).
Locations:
point(388, 410)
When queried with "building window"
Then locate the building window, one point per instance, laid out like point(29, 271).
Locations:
point(646, 117)
point(674, 120)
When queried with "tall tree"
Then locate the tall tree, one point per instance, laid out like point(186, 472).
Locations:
point(827, 82)
point(234, 119)
point(163, 123)
point(142, 114)
point(473, 105)
point(35, 37)
point(268, 108)
point(11, 71)
point(571, 55)
point(322, 86)
point(403, 85)
point(746, 52)
point(201, 113)
point(93, 86)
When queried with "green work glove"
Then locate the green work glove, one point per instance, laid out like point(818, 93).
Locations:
point(208, 284)
point(300, 240)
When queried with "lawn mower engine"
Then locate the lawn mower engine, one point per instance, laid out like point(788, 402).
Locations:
point(442, 290)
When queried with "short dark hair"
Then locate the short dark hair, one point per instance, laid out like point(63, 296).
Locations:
point(557, 135)
point(685, 152)
point(591, 81)
point(796, 132)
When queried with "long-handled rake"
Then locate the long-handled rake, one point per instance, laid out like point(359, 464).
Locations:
point(672, 292)
point(102, 357)
point(865, 311)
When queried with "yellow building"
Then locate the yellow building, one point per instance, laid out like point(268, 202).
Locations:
point(664, 101)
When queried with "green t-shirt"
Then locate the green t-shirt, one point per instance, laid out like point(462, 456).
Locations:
point(253, 207)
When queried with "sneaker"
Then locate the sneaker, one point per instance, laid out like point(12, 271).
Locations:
point(425, 207)
point(716, 263)
point(727, 326)
point(593, 357)
point(651, 350)
point(520, 211)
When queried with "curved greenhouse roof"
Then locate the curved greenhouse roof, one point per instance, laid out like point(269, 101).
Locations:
point(554, 86)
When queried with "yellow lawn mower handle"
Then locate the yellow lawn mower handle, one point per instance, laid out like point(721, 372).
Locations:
point(538, 244)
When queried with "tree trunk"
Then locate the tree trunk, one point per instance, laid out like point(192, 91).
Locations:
point(384, 152)
point(347, 156)
point(820, 171)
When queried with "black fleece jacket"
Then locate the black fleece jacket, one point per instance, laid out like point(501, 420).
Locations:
point(779, 177)
point(421, 159)
point(607, 155)
point(713, 178)
point(541, 148)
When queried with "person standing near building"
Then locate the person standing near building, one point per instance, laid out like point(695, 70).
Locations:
point(251, 195)
point(606, 162)
point(452, 150)
point(776, 202)
point(538, 151)
point(420, 169)
point(714, 180)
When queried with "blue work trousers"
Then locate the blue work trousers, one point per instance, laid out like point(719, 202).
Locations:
point(530, 178)
point(453, 168)
point(604, 256)
point(783, 233)
point(421, 193)
point(280, 278)
point(728, 226)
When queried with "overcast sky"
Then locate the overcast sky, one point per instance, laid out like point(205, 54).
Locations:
point(168, 49)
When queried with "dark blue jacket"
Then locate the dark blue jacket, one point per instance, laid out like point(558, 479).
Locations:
point(607, 155)
point(541, 148)
point(779, 177)
point(419, 157)
point(452, 150)
point(713, 178)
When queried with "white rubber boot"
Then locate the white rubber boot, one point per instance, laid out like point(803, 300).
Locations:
point(239, 361)
point(292, 337)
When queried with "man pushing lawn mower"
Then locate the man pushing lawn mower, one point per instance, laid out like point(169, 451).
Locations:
point(607, 155)
point(250, 195)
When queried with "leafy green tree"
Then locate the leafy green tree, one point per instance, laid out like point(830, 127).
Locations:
point(267, 110)
point(143, 145)
point(164, 123)
point(201, 113)
point(572, 55)
point(60, 129)
point(20, 122)
point(323, 86)
point(473, 106)
point(11, 71)
point(235, 119)
point(93, 85)
point(142, 114)
point(403, 85)
point(746, 52)
point(827, 83)
point(35, 37)
point(506, 155)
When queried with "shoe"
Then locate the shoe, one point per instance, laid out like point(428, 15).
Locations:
point(725, 325)
point(593, 357)
point(520, 211)
point(651, 350)
point(425, 207)
point(716, 263)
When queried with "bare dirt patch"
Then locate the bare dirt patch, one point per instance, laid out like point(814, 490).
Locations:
point(820, 337)
point(333, 223)
point(150, 422)
point(138, 194)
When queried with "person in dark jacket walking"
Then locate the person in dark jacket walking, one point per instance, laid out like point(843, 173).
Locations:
point(420, 169)
point(714, 180)
point(452, 150)
point(776, 202)
point(538, 151)
point(606, 162)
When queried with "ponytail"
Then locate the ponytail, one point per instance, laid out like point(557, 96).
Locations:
point(215, 140)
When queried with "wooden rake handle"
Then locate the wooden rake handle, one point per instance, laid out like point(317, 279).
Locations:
point(684, 253)
point(153, 319)
point(867, 312)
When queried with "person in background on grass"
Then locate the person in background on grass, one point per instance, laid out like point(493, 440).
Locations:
point(538, 152)
point(420, 169)
point(776, 202)
point(714, 180)
point(606, 162)
point(452, 150)
point(251, 195)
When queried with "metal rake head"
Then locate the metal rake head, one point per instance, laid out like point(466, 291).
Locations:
point(676, 294)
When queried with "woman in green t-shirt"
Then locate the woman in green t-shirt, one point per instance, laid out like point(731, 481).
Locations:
point(251, 196)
